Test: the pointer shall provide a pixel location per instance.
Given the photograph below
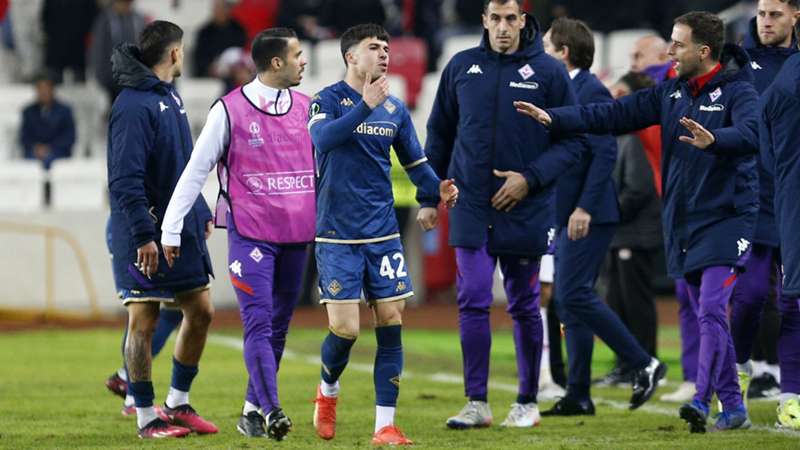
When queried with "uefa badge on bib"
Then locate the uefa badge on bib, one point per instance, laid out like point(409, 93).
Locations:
point(526, 71)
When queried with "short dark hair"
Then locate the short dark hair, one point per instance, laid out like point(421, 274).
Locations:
point(637, 81)
point(501, 2)
point(707, 29)
point(577, 36)
point(155, 39)
point(792, 3)
point(270, 43)
point(357, 33)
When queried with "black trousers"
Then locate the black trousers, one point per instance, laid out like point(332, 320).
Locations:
point(630, 293)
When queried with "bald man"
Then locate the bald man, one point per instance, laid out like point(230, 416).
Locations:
point(649, 55)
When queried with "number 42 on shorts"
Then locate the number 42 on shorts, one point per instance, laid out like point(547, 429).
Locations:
point(388, 271)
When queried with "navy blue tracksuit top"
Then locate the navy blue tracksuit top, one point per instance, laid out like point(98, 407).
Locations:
point(474, 129)
point(765, 62)
point(711, 195)
point(588, 184)
point(780, 147)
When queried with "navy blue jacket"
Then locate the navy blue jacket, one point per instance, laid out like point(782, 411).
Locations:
point(765, 62)
point(54, 126)
point(149, 145)
point(780, 147)
point(711, 195)
point(474, 129)
point(589, 185)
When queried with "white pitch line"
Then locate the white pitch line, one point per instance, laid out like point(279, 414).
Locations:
point(451, 378)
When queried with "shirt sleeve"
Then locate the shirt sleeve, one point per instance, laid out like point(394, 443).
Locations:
point(328, 131)
point(208, 150)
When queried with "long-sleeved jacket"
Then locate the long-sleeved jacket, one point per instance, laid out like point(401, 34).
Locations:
point(765, 62)
point(711, 195)
point(474, 129)
point(780, 147)
point(588, 184)
point(149, 145)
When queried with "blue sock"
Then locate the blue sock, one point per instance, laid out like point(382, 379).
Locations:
point(168, 320)
point(142, 392)
point(335, 355)
point(479, 398)
point(388, 365)
point(182, 375)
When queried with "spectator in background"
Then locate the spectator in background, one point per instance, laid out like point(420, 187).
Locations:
point(340, 15)
point(48, 128)
point(66, 25)
point(118, 23)
point(235, 67)
point(637, 241)
point(303, 17)
point(219, 34)
point(649, 55)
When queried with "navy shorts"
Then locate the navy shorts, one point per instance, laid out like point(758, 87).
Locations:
point(377, 269)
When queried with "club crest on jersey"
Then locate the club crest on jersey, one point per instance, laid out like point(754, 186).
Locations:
point(401, 286)
point(334, 288)
point(389, 106)
point(255, 135)
point(345, 102)
point(715, 94)
point(526, 71)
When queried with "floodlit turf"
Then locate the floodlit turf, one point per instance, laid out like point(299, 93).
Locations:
point(52, 395)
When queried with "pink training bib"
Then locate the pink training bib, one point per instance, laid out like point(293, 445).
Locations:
point(267, 174)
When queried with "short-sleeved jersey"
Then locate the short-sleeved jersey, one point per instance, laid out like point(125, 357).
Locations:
point(354, 190)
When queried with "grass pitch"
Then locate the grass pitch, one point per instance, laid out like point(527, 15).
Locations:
point(52, 396)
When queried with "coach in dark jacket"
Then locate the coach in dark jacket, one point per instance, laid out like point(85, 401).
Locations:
point(710, 184)
point(506, 168)
point(587, 214)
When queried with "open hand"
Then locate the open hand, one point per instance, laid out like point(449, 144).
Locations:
point(701, 138)
point(448, 192)
point(538, 114)
point(511, 192)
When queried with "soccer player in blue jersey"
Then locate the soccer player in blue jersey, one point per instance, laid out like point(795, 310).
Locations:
point(353, 123)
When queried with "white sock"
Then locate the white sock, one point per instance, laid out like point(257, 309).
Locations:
point(745, 367)
point(248, 408)
point(128, 401)
point(329, 390)
point(145, 416)
point(545, 376)
point(759, 367)
point(775, 370)
point(384, 415)
point(122, 373)
point(176, 398)
point(786, 396)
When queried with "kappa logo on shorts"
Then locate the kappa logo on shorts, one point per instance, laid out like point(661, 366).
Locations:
point(742, 245)
point(236, 268)
point(334, 288)
point(401, 286)
point(256, 255)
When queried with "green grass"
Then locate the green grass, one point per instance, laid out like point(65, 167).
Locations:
point(52, 396)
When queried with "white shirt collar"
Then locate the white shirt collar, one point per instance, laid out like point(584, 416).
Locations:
point(574, 73)
point(265, 97)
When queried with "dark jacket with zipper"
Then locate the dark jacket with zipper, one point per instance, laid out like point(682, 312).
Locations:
point(149, 145)
point(474, 129)
point(588, 184)
point(765, 63)
point(711, 195)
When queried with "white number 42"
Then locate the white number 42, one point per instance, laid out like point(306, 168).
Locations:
point(388, 271)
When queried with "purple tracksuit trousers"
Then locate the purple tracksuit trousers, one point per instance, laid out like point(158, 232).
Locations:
point(266, 278)
point(474, 294)
point(690, 331)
